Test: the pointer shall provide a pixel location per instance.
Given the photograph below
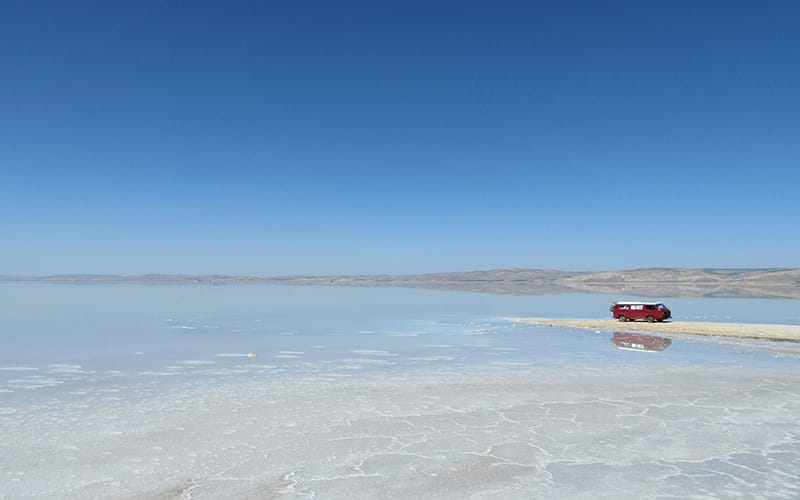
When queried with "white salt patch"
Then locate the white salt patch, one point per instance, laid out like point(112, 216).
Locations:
point(432, 358)
point(34, 382)
point(369, 361)
point(505, 349)
point(232, 354)
point(182, 327)
point(368, 352)
point(287, 356)
point(480, 332)
point(403, 335)
point(291, 352)
point(286, 333)
point(66, 369)
point(18, 368)
point(197, 362)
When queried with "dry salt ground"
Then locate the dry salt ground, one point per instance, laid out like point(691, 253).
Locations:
point(628, 433)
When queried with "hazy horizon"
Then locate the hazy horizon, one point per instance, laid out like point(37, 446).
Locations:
point(461, 271)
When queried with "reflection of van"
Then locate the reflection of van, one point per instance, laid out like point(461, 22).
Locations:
point(631, 311)
point(640, 342)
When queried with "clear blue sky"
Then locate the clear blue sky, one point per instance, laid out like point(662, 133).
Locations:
point(320, 137)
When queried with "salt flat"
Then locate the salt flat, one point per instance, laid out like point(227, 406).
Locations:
point(632, 432)
point(132, 392)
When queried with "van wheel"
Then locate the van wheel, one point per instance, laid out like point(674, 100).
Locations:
point(651, 319)
point(622, 318)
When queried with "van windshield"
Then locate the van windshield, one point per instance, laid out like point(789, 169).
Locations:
point(661, 307)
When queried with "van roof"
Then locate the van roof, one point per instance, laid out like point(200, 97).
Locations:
point(629, 303)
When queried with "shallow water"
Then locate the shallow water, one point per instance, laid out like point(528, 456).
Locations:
point(125, 390)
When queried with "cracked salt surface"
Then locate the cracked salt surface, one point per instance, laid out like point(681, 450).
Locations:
point(509, 412)
point(628, 432)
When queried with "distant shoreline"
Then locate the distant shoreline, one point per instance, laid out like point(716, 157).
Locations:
point(782, 283)
point(716, 329)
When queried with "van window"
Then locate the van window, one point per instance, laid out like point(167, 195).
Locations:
point(650, 307)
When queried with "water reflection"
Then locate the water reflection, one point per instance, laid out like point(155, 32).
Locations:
point(640, 342)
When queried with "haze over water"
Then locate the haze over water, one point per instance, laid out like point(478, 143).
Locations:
point(325, 329)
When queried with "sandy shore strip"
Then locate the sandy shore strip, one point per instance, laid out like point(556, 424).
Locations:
point(741, 330)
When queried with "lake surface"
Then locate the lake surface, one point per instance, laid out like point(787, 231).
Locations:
point(96, 382)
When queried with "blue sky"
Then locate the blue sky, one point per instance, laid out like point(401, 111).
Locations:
point(321, 137)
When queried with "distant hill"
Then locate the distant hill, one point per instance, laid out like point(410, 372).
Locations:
point(683, 282)
point(650, 282)
point(653, 282)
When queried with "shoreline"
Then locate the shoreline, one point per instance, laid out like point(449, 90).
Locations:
point(775, 332)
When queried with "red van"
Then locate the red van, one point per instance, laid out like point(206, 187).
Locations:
point(631, 311)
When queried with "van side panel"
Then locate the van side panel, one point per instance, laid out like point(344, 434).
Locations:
point(634, 311)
